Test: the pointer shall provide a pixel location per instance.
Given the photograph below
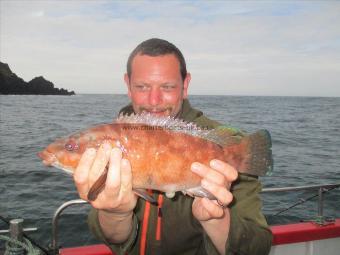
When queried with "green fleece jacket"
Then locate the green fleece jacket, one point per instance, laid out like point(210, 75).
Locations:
point(181, 233)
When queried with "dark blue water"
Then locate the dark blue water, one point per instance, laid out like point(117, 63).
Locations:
point(306, 148)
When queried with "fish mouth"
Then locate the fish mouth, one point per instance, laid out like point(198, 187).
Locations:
point(65, 169)
point(47, 157)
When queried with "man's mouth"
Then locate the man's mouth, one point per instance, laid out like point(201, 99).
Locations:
point(157, 112)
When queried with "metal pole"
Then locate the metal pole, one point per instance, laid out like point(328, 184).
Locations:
point(15, 229)
point(320, 203)
point(55, 220)
point(309, 187)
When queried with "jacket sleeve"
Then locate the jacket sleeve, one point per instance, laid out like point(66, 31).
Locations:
point(118, 249)
point(249, 233)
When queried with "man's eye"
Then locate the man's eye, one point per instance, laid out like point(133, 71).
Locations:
point(141, 87)
point(168, 87)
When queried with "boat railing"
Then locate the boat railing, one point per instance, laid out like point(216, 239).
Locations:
point(54, 247)
point(321, 189)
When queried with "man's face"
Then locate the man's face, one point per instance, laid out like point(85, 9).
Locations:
point(156, 85)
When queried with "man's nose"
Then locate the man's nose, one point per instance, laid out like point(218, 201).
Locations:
point(155, 97)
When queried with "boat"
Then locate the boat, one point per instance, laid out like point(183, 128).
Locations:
point(318, 236)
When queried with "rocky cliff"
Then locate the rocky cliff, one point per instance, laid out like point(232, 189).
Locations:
point(10, 83)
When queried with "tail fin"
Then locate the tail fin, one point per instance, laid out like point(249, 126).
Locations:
point(261, 160)
point(252, 154)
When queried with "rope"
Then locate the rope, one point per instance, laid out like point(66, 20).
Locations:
point(15, 247)
point(26, 237)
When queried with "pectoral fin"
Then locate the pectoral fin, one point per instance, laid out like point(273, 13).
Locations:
point(199, 192)
point(145, 195)
point(98, 186)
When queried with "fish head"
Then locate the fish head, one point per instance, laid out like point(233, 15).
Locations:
point(65, 153)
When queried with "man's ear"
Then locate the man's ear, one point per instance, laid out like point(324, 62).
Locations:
point(127, 82)
point(186, 83)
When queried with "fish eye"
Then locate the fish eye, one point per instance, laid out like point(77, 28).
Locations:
point(71, 146)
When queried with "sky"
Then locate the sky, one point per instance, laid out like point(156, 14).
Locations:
point(256, 48)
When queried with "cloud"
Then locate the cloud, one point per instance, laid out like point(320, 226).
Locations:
point(290, 48)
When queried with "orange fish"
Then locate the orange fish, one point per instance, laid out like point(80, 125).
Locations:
point(161, 151)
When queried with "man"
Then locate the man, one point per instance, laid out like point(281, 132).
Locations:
point(157, 82)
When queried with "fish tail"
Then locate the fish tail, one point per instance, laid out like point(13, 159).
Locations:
point(261, 159)
point(252, 155)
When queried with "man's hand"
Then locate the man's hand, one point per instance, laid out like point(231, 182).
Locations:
point(117, 196)
point(214, 215)
point(217, 180)
point(117, 200)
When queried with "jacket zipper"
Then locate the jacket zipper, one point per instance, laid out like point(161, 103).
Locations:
point(159, 218)
point(145, 227)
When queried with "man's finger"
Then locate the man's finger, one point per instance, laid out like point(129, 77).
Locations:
point(126, 177)
point(213, 209)
point(113, 177)
point(99, 164)
point(227, 170)
point(81, 173)
point(221, 194)
point(208, 173)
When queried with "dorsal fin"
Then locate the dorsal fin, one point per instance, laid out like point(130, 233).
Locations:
point(222, 135)
point(169, 123)
point(225, 135)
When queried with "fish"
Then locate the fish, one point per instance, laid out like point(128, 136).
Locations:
point(161, 151)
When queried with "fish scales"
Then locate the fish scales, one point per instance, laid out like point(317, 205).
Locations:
point(163, 157)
